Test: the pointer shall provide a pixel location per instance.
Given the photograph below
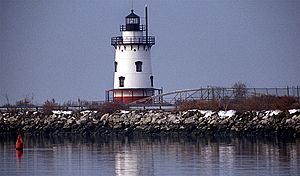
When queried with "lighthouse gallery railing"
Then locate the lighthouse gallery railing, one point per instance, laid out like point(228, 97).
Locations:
point(133, 40)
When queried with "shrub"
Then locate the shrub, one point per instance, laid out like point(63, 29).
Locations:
point(239, 90)
point(49, 106)
point(199, 104)
point(110, 107)
point(266, 102)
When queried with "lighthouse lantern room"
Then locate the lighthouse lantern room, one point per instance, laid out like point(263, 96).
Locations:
point(133, 78)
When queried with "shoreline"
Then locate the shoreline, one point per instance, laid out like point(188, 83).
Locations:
point(273, 123)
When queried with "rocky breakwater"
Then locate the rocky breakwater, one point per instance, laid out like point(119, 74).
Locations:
point(188, 123)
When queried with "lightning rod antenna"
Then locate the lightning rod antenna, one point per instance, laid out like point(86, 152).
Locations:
point(146, 15)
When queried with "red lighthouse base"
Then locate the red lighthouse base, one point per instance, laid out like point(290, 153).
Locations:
point(126, 96)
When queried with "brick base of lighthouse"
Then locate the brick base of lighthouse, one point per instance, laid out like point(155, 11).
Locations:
point(126, 96)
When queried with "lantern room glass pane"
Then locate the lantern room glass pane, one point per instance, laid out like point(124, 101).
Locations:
point(132, 20)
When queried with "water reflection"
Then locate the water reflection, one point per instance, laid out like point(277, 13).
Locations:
point(133, 159)
point(19, 154)
point(75, 155)
point(126, 163)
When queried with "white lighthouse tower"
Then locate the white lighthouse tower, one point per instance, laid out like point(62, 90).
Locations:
point(133, 78)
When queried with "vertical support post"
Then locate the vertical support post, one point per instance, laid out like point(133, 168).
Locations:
point(159, 98)
point(106, 99)
point(212, 93)
point(122, 97)
point(294, 91)
point(162, 99)
point(107, 94)
point(223, 93)
point(132, 99)
point(201, 94)
point(208, 93)
point(180, 99)
point(298, 93)
point(287, 89)
point(146, 15)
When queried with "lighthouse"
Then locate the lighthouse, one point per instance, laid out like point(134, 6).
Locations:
point(133, 78)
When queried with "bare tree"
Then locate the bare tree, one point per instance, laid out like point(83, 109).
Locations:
point(7, 99)
point(239, 90)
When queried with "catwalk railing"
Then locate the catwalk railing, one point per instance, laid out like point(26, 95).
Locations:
point(217, 94)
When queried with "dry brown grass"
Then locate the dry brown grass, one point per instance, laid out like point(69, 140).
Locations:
point(110, 107)
point(246, 104)
point(49, 106)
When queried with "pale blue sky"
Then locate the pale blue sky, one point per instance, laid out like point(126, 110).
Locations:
point(61, 48)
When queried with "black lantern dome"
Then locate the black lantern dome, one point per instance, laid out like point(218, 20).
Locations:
point(132, 22)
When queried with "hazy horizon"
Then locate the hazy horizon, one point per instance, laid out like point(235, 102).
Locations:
point(61, 49)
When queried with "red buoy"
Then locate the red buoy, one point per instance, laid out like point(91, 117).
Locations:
point(19, 142)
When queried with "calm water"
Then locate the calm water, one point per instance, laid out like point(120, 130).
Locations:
point(149, 156)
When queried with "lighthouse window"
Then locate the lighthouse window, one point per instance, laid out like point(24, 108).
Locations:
point(121, 81)
point(132, 21)
point(151, 79)
point(116, 66)
point(138, 66)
